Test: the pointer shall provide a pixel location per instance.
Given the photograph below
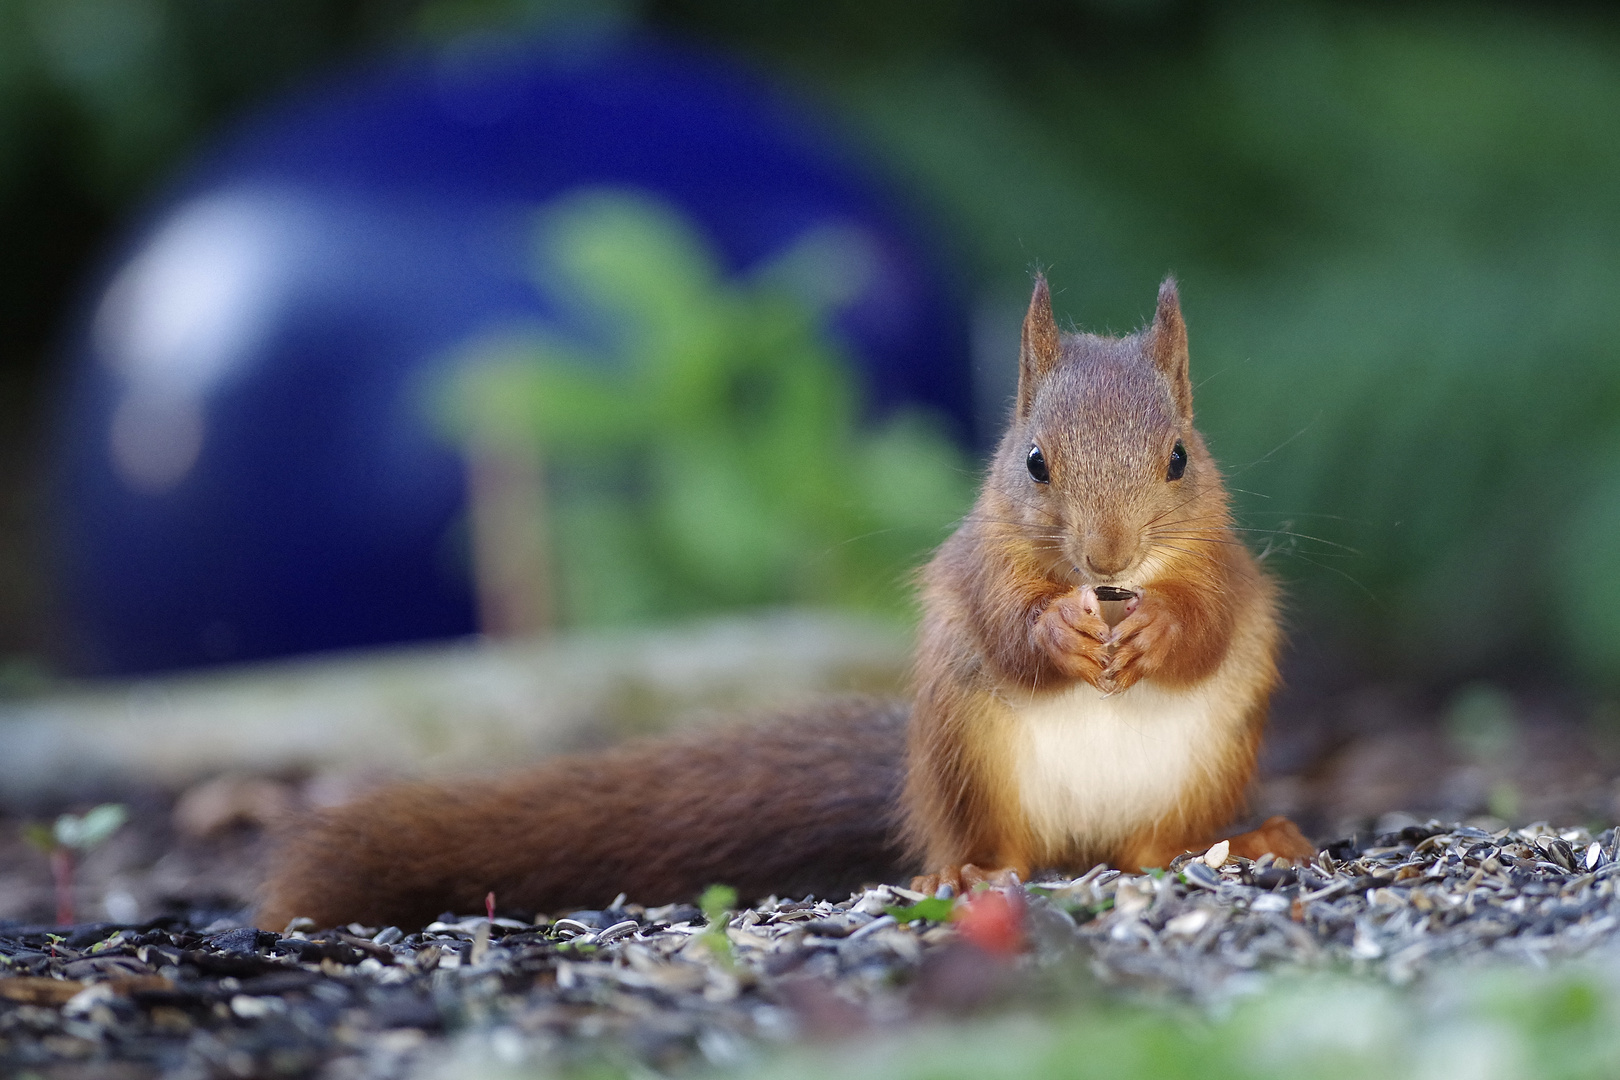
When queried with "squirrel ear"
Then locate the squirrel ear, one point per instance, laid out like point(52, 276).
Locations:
point(1167, 345)
point(1039, 350)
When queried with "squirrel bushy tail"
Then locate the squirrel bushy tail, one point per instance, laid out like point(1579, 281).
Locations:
point(804, 803)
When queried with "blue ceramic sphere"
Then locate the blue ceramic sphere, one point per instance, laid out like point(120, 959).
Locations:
point(245, 468)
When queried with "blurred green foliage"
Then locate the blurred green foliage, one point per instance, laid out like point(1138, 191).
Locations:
point(1393, 226)
point(1496, 1021)
point(1394, 231)
point(77, 832)
point(933, 908)
point(709, 453)
point(717, 904)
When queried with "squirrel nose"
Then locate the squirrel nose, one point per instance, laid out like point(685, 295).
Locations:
point(1110, 549)
point(1112, 563)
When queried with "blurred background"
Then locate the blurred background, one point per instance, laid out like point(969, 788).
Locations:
point(359, 323)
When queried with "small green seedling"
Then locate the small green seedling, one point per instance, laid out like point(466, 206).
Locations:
point(934, 909)
point(717, 902)
point(73, 835)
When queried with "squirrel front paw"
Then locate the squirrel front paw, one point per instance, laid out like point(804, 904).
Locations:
point(1074, 636)
point(1142, 644)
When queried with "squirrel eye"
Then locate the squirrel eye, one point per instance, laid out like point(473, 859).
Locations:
point(1037, 466)
point(1178, 462)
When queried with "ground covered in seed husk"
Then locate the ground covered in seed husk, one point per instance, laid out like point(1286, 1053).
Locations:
point(672, 990)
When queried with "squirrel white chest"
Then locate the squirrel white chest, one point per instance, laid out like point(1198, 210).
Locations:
point(1096, 769)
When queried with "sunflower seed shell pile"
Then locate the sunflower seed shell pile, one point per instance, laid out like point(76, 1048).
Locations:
point(661, 988)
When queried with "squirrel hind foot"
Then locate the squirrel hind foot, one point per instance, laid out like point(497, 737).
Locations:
point(965, 878)
point(1277, 836)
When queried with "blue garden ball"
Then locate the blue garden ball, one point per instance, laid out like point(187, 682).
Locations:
point(244, 465)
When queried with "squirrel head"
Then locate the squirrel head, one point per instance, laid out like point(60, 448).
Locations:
point(1101, 467)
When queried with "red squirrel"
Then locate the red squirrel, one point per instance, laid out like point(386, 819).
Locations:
point(1096, 656)
point(1045, 734)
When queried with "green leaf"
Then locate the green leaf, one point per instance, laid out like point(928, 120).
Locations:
point(632, 255)
point(716, 901)
point(39, 836)
point(93, 829)
point(1089, 911)
point(934, 909)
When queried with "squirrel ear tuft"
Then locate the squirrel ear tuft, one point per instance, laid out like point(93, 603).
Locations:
point(1040, 348)
point(1167, 346)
